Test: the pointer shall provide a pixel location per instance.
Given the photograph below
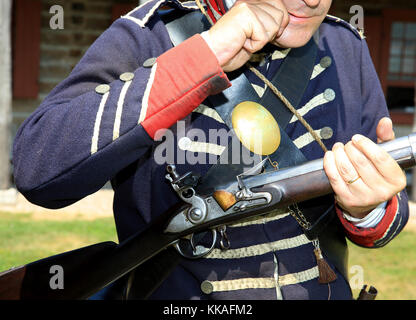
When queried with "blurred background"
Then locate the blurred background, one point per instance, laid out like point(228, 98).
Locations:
point(37, 51)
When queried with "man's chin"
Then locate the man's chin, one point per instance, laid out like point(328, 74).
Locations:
point(295, 39)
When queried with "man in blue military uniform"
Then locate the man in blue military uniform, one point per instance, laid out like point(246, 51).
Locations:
point(100, 124)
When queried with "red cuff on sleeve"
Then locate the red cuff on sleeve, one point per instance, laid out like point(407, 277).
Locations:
point(367, 236)
point(184, 76)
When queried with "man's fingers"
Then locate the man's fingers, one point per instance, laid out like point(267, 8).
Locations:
point(385, 130)
point(362, 164)
point(369, 174)
point(256, 36)
point(271, 18)
point(337, 182)
point(362, 175)
point(280, 14)
point(348, 172)
point(345, 167)
point(349, 196)
point(245, 29)
point(382, 161)
point(262, 25)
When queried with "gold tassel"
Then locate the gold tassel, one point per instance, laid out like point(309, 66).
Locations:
point(326, 274)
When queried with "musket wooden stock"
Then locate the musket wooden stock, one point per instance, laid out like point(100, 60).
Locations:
point(32, 281)
point(11, 283)
point(308, 186)
point(89, 269)
point(225, 199)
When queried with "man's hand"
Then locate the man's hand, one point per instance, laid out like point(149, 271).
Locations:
point(362, 174)
point(246, 28)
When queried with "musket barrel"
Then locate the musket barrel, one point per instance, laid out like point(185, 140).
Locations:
point(412, 141)
point(308, 181)
point(403, 150)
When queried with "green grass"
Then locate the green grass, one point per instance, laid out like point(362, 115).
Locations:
point(391, 269)
point(24, 240)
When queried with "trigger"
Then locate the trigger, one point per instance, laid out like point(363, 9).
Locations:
point(194, 248)
point(198, 251)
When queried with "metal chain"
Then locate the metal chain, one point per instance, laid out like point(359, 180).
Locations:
point(300, 218)
point(224, 241)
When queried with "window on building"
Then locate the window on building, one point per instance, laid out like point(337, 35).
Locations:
point(402, 60)
point(398, 62)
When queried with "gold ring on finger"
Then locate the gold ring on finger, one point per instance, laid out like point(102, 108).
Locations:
point(353, 180)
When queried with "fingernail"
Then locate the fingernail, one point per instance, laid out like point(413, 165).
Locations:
point(329, 155)
point(338, 145)
point(357, 138)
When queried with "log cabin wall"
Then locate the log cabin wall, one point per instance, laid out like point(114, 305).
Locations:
point(43, 56)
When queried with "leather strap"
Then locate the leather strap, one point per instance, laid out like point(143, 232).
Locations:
point(292, 84)
point(295, 72)
point(183, 25)
point(291, 79)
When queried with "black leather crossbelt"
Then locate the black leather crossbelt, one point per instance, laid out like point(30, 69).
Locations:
point(292, 80)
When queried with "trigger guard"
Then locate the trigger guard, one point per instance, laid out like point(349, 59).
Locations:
point(197, 255)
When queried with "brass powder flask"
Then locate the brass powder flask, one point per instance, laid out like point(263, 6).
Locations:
point(256, 128)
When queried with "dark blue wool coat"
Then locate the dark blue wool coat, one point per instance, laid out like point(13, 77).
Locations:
point(82, 136)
